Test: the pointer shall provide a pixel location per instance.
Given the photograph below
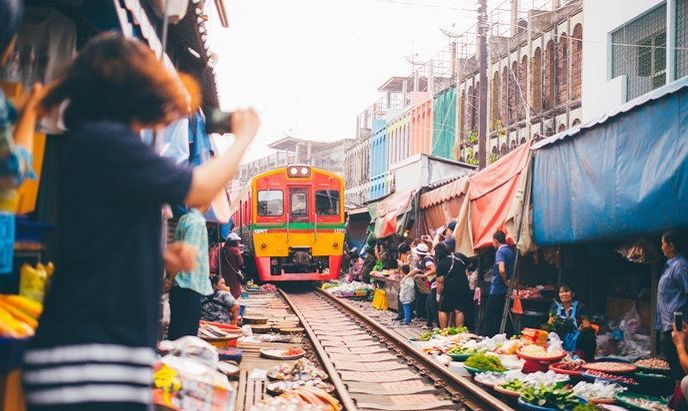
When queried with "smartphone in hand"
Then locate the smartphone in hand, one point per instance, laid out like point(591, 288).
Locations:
point(678, 320)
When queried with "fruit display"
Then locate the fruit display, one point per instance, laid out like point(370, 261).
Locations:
point(610, 377)
point(485, 362)
point(610, 367)
point(18, 316)
point(549, 397)
point(598, 391)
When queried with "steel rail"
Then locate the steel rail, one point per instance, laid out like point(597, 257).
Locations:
point(462, 389)
point(347, 402)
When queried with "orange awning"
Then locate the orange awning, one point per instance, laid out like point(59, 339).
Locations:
point(492, 192)
point(444, 193)
point(387, 211)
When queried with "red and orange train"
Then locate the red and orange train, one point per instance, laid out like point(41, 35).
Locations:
point(291, 220)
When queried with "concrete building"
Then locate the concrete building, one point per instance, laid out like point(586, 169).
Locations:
point(534, 80)
point(639, 45)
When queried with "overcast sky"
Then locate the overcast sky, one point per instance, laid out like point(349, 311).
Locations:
point(310, 66)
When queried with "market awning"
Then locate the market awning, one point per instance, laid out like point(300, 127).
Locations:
point(491, 194)
point(390, 215)
point(444, 193)
point(624, 174)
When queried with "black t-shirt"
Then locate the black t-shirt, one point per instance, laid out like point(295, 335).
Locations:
point(106, 288)
point(453, 269)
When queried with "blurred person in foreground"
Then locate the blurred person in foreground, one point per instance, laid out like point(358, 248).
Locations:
point(95, 344)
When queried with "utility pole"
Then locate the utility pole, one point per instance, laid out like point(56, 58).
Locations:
point(482, 110)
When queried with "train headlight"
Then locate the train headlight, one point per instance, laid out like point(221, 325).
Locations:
point(293, 171)
point(335, 244)
point(263, 246)
point(304, 171)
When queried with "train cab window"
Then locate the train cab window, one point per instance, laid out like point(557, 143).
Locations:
point(270, 203)
point(327, 202)
point(299, 203)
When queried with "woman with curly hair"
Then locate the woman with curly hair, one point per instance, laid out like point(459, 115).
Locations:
point(96, 340)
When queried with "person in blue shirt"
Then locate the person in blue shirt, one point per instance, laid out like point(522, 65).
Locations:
point(505, 258)
point(672, 296)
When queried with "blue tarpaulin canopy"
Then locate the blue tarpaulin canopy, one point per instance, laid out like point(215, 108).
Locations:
point(624, 174)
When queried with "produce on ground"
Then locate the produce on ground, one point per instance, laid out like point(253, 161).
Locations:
point(314, 396)
point(549, 397)
point(599, 390)
point(297, 371)
point(536, 351)
point(571, 365)
point(612, 377)
point(292, 351)
point(586, 407)
point(284, 386)
point(18, 316)
point(287, 404)
point(485, 362)
point(656, 363)
point(610, 367)
point(460, 350)
point(453, 331)
point(648, 404)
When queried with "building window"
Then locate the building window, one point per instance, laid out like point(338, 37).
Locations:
point(522, 79)
point(536, 84)
point(681, 38)
point(270, 203)
point(576, 61)
point(505, 96)
point(494, 112)
point(563, 70)
point(550, 70)
point(327, 202)
point(639, 52)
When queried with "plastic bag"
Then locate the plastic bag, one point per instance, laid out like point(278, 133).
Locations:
point(193, 348)
point(554, 343)
point(631, 324)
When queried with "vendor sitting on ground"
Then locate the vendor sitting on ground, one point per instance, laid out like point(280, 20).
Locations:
point(220, 306)
point(581, 339)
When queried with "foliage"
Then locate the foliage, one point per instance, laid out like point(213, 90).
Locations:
point(561, 326)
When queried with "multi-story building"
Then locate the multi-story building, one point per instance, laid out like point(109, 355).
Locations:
point(534, 80)
point(642, 45)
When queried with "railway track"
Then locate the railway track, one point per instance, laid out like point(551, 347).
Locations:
point(373, 368)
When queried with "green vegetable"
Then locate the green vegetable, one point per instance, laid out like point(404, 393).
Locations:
point(514, 385)
point(454, 330)
point(560, 326)
point(586, 407)
point(459, 350)
point(426, 336)
point(550, 397)
point(484, 362)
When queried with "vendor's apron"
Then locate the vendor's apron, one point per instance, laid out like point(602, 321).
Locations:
point(570, 339)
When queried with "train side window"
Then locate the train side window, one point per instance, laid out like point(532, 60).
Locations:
point(270, 203)
point(299, 203)
point(327, 202)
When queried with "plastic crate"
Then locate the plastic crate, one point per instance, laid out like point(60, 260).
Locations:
point(7, 233)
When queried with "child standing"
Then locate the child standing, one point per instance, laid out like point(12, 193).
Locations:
point(407, 292)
